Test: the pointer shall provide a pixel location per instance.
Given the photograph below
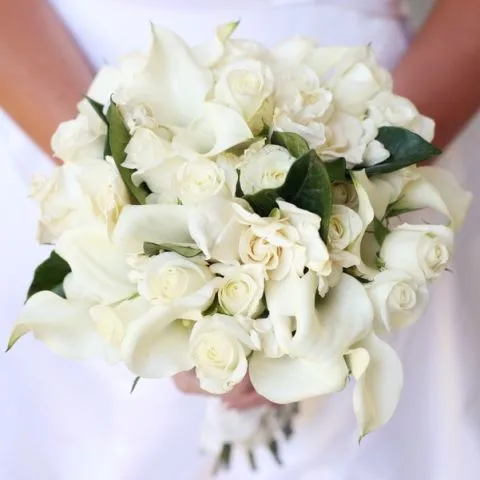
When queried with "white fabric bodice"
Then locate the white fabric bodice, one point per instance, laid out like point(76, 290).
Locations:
point(67, 421)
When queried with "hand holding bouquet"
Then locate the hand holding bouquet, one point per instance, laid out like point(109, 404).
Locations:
point(235, 210)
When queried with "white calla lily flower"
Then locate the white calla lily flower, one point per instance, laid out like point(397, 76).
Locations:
point(138, 224)
point(172, 83)
point(379, 375)
point(323, 333)
point(366, 213)
point(98, 266)
point(65, 327)
point(157, 344)
point(215, 130)
point(438, 189)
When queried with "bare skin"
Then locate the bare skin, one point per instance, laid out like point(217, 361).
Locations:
point(44, 75)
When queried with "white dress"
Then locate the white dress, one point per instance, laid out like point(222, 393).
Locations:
point(61, 420)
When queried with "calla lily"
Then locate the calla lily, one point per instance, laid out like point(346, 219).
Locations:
point(324, 332)
point(211, 53)
point(151, 223)
point(157, 344)
point(98, 266)
point(65, 327)
point(172, 83)
point(379, 375)
point(216, 130)
point(438, 189)
point(379, 193)
point(366, 213)
point(216, 229)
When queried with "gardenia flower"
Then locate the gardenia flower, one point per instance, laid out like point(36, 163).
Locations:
point(76, 195)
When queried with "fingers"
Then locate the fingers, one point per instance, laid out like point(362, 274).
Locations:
point(247, 400)
point(187, 382)
point(242, 397)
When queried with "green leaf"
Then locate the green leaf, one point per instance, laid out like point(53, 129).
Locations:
point(405, 147)
point(308, 187)
point(337, 170)
point(294, 143)
point(49, 275)
point(98, 107)
point(263, 202)
point(183, 249)
point(380, 231)
point(134, 385)
point(238, 187)
point(118, 138)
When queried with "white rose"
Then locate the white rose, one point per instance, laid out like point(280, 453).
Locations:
point(76, 195)
point(219, 346)
point(345, 226)
point(266, 168)
point(244, 85)
point(77, 140)
point(424, 251)
point(170, 279)
point(241, 290)
point(388, 109)
point(201, 179)
point(398, 300)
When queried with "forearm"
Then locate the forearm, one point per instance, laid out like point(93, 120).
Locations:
point(43, 72)
point(441, 71)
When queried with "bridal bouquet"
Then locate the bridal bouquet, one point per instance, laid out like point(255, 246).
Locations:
point(237, 210)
